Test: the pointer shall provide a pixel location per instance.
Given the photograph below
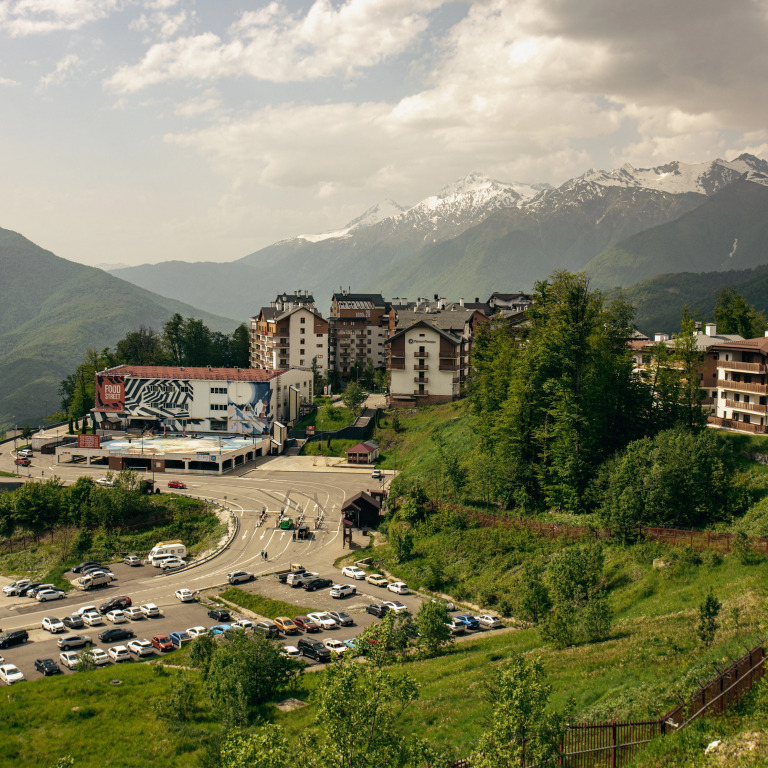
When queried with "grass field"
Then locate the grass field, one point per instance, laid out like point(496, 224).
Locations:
point(328, 418)
point(264, 606)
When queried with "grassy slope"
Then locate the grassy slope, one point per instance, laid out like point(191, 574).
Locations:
point(52, 311)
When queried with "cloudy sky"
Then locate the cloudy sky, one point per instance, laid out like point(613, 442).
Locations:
point(136, 131)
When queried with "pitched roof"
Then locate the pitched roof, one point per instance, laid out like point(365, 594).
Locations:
point(362, 496)
point(367, 447)
point(185, 372)
point(758, 344)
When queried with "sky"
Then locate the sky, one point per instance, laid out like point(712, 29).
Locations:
point(139, 131)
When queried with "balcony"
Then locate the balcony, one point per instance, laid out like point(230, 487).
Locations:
point(417, 380)
point(421, 367)
point(418, 393)
point(743, 386)
point(738, 405)
point(423, 354)
point(739, 426)
point(731, 365)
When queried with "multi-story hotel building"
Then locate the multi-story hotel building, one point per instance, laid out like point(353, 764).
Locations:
point(358, 327)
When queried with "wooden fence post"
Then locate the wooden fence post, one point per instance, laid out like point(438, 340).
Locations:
point(613, 744)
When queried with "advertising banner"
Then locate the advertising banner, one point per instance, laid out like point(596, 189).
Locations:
point(248, 408)
point(89, 441)
point(110, 393)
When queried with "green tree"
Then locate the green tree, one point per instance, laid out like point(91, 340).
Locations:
point(433, 631)
point(266, 747)
point(708, 624)
point(532, 592)
point(734, 315)
point(522, 730)
point(401, 541)
point(240, 347)
point(354, 396)
point(689, 358)
point(370, 374)
point(142, 347)
point(173, 339)
point(85, 661)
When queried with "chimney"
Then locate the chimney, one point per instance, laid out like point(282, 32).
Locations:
point(477, 299)
point(461, 301)
point(710, 329)
point(697, 324)
point(436, 296)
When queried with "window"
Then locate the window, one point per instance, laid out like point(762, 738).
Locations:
point(218, 407)
point(301, 362)
point(218, 390)
point(302, 330)
point(218, 426)
point(303, 320)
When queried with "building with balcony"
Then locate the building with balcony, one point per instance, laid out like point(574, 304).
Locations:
point(742, 386)
point(290, 333)
point(357, 331)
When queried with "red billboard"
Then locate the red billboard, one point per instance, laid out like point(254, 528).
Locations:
point(89, 441)
point(110, 393)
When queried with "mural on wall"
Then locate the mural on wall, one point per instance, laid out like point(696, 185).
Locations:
point(158, 398)
point(248, 407)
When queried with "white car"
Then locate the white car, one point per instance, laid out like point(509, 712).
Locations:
point(185, 595)
point(119, 653)
point(376, 474)
point(92, 618)
point(335, 646)
point(447, 604)
point(487, 621)
point(14, 587)
point(150, 610)
point(134, 613)
point(86, 609)
point(396, 606)
point(100, 657)
point(323, 619)
point(105, 482)
point(342, 590)
point(117, 617)
point(196, 631)
point(398, 587)
point(69, 659)
point(172, 564)
point(291, 651)
point(10, 674)
point(52, 624)
point(49, 594)
point(353, 572)
point(141, 648)
point(242, 624)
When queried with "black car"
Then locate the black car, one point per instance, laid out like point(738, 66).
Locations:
point(318, 583)
point(114, 634)
point(219, 614)
point(266, 628)
point(13, 637)
point(85, 564)
point(75, 621)
point(314, 649)
point(116, 603)
point(47, 667)
point(24, 591)
point(377, 609)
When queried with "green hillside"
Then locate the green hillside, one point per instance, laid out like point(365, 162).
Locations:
point(51, 311)
point(728, 231)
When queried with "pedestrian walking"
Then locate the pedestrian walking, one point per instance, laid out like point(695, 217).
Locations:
point(266, 556)
point(262, 554)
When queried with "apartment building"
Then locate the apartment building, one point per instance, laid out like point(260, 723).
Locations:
point(742, 385)
point(290, 333)
point(357, 330)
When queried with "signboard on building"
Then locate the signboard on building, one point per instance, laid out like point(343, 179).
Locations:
point(310, 430)
point(110, 393)
point(89, 441)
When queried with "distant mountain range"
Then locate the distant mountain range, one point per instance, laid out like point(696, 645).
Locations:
point(480, 235)
point(51, 311)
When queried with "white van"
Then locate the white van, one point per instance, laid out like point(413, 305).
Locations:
point(165, 549)
point(25, 453)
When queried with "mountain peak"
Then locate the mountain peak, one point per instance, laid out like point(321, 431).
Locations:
point(383, 210)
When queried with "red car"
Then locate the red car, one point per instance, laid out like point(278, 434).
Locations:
point(23, 462)
point(176, 484)
point(305, 623)
point(162, 643)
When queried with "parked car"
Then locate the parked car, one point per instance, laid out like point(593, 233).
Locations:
point(150, 610)
point(69, 659)
point(30, 587)
point(377, 609)
point(180, 638)
point(33, 590)
point(47, 667)
point(73, 641)
point(141, 648)
point(305, 623)
point(243, 624)
point(323, 619)
point(10, 674)
point(219, 614)
point(13, 637)
point(447, 604)
point(194, 632)
point(353, 572)
point(132, 560)
point(377, 580)
point(457, 627)
point(105, 482)
point(75, 621)
point(53, 625)
point(118, 653)
point(176, 484)
point(286, 626)
point(22, 462)
point(134, 613)
point(162, 643)
point(100, 657)
point(185, 595)
point(116, 603)
point(115, 634)
point(313, 649)
point(398, 587)
point(317, 583)
point(376, 474)
point(291, 651)
point(342, 590)
point(92, 618)
point(15, 587)
point(172, 564)
point(46, 595)
point(341, 618)
point(396, 606)
point(84, 564)
point(219, 629)
point(238, 577)
point(336, 646)
point(117, 617)
point(469, 621)
point(86, 609)
point(266, 628)
point(488, 621)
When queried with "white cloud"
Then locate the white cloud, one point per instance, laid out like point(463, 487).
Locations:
point(273, 44)
point(20, 18)
point(6, 81)
point(209, 101)
point(64, 68)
